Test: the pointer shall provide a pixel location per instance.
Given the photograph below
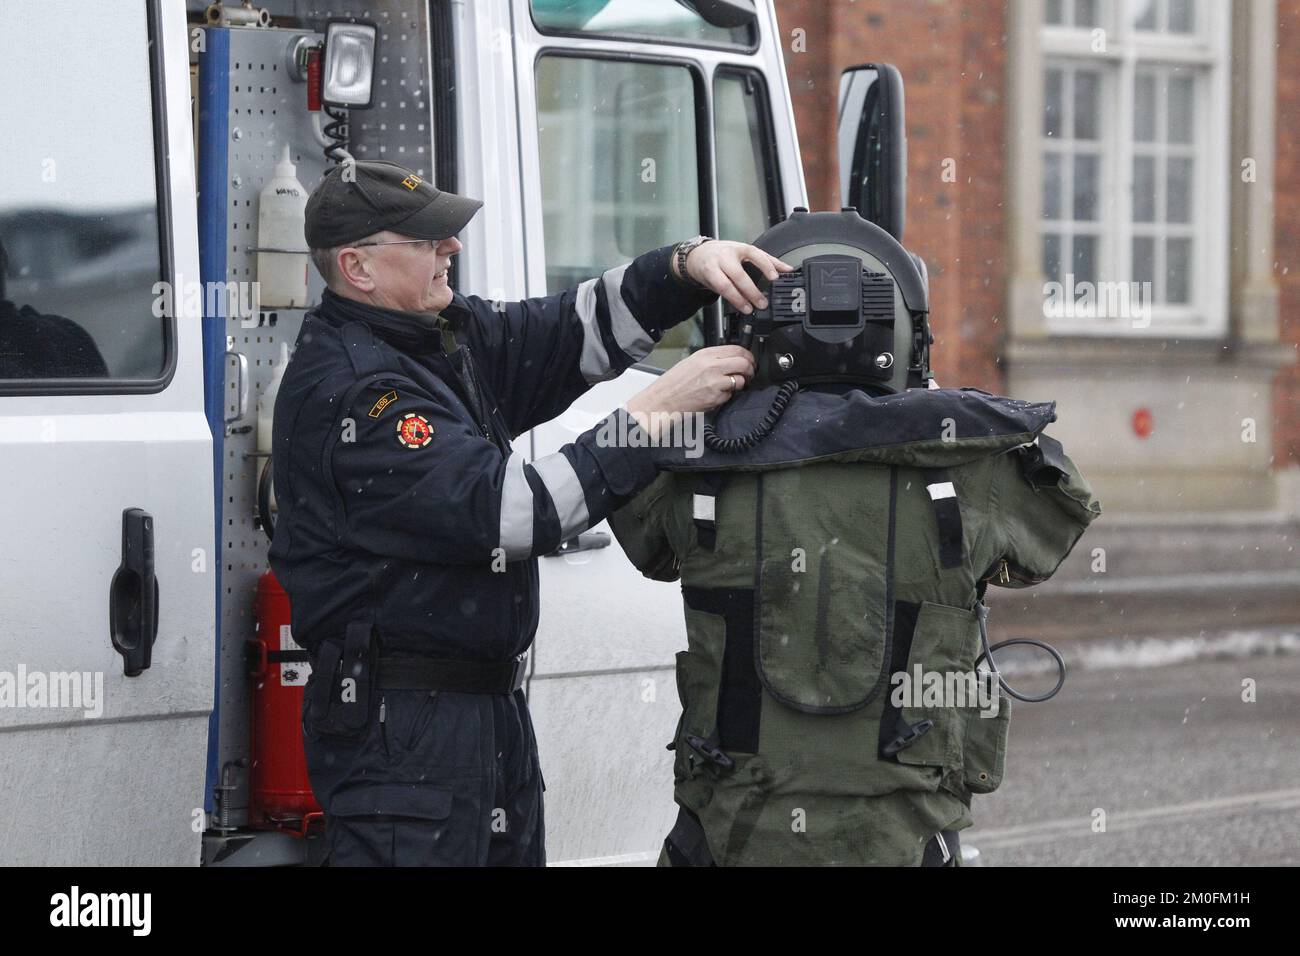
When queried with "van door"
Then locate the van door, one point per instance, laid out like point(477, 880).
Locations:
point(106, 554)
point(618, 146)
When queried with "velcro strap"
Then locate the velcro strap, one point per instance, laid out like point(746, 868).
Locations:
point(947, 514)
point(462, 677)
point(1043, 462)
point(287, 657)
point(704, 507)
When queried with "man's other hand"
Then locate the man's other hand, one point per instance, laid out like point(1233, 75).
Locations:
point(700, 382)
point(719, 264)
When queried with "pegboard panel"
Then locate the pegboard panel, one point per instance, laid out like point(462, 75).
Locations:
point(398, 126)
point(267, 110)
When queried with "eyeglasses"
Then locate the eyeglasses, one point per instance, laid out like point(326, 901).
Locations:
point(430, 243)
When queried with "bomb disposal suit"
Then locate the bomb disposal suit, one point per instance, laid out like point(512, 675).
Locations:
point(849, 544)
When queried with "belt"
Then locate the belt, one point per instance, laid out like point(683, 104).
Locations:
point(463, 677)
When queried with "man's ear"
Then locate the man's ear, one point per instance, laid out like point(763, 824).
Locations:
point(354, 270)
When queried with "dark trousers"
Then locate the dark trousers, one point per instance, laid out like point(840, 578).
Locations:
point(444, 779)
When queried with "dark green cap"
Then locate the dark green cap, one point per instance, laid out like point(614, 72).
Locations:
point(357, 199)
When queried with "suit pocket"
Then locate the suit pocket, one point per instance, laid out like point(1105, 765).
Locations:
point(939, 682)
point(984, 746)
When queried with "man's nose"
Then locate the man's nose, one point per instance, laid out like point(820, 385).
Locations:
point(450, 246)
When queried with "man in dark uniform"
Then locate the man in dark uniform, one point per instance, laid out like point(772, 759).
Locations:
point(408, 528)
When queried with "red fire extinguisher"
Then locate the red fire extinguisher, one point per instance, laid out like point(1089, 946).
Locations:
point(279, 790)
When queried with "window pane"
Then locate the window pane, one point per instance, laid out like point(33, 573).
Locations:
point(1084, 262)
point(79, 239)
point(1181, 94)
point(1055, 13)
point(1085, 13)
point(1182, 16)
point(1144, 108)
point(1087, 104)
point(1145, 15)
point(1053, 103)
point(1053, 170)
point(618, 162)
point(659, 21)
point(1052, 257)
point(744, 173)
point(1087, 169)
point(1178, 190)
point(1144, 189)
point(1144, 259)
point(1178, 280)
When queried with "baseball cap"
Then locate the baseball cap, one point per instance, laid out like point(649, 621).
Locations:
point(360, 198)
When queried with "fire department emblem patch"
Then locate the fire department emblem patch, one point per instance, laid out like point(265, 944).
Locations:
point(414, 431)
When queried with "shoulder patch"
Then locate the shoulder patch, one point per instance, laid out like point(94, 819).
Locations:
point(414, 431)
point(378, 408)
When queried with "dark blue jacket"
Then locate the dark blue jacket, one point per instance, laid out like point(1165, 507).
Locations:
point(400, 500)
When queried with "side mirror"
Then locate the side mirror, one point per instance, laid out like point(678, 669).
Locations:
point(873, 145)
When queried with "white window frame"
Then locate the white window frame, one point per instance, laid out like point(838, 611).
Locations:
point(1206, 315)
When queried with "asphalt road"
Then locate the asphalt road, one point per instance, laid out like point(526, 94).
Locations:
point(1186, 772)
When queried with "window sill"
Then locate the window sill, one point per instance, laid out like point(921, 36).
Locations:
point(1090, 351)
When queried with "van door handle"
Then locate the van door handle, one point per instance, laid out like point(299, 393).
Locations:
point(587, 541)
point(133, 595)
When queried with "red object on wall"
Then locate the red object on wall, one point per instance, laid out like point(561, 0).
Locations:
point(279, 792)
point(313, 81)
point(1143, 423)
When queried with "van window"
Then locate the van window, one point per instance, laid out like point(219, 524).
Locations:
point(619, 170)
point(80, 251)
point(749, 191)
point(662, 20)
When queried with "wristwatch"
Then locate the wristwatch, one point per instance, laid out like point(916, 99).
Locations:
point(680, 253)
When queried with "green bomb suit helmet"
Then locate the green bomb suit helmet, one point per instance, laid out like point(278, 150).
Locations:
point(856, 308)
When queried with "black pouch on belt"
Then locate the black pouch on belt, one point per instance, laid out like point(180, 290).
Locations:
point(340, 702)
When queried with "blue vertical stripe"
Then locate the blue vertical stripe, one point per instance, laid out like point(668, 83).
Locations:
point(212, 145)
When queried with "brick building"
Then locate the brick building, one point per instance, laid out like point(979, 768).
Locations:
point(1114, 141)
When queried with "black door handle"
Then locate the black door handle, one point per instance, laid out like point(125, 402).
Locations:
point(133, 595)
point(587, 541)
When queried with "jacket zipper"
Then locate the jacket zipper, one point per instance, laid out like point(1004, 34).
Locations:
point(476, 397)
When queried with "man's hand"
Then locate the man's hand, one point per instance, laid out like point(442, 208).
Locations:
point(698, 383)
point(718, 264)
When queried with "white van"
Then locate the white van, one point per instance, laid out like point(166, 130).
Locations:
point(139, 135)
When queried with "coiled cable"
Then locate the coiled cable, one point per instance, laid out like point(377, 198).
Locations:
point(731, 446)
point(338, 132)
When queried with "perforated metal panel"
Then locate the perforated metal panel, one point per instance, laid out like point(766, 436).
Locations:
point(268, 109)
point(398, 126)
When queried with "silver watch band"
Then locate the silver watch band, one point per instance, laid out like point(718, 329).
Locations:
point(680, 253)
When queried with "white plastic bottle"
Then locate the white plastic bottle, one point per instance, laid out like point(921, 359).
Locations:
point(281, 208)
point(266, 402)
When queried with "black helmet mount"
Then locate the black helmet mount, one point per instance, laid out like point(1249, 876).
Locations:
point(855, 309)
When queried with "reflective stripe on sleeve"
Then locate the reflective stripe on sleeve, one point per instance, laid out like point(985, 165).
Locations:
point(516, 511)
point(594, 363)
point(628, 333)
point(556, 472)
